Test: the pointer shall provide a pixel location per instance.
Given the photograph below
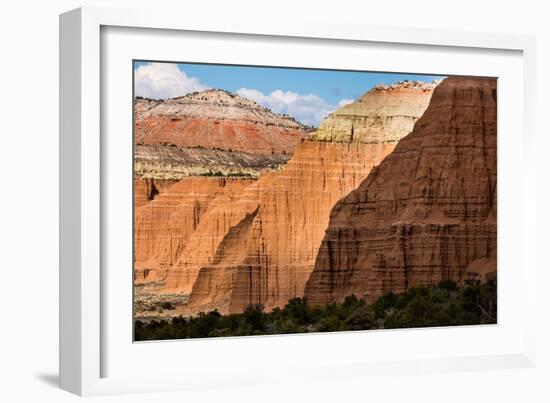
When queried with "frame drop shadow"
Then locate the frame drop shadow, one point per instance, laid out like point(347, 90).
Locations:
point(50, 379)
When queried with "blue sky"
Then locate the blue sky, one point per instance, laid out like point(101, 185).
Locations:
point(308, 95)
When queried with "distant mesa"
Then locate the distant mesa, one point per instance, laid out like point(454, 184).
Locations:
point(215, 119)
point(210, 133)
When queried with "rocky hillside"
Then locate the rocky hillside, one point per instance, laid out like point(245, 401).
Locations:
point(215, 119)
point(146, 189)
point(171, 163)
point(383, 115)
point(262, 247)
point(427, 212)
point(213, 132)
point(189, 151)
point(163, 226)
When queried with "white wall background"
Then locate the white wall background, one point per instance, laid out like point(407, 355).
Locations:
point(29, 198)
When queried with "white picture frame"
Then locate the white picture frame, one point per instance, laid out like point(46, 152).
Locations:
point(87, 324)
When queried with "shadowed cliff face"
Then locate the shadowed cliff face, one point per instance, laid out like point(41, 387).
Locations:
point(262, 248)
point(427, 212)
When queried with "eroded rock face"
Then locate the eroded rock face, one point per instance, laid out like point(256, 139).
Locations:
point(190, 151)
point(201, 248)
point(427, 212)
point(269, 254)
point(146, 189)
point(268, 250)
point(163, 225)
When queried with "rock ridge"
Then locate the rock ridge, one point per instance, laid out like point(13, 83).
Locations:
point(215, 119)
point(382, 115)
point(427, 212)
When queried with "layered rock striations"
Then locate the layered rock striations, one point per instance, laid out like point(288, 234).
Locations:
point(267, 256)
point(146, 189)
point(269, 240)
point(383, 115)
point(170, 163)
point(215, 119)
point(427, 212)
point(224, 215)
point(163, 225)
point(189, 152)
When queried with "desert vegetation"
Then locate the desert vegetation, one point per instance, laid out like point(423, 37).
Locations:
point(445, 304)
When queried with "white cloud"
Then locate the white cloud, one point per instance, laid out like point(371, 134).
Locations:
point(164, 80)
point(308, 109)
point(344, 102)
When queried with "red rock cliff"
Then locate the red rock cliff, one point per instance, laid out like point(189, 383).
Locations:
point(200, 249)
point(146, 189)
point(163, 225)
point(268, 251)
point(427, 212)
point(191, 152)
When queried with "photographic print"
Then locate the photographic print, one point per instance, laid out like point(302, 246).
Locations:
point(274, 200)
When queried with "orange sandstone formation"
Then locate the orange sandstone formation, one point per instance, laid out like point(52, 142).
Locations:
point(224, 215)
point(268, 255)
point(162, 226)
point(427, 212)
point(146, 189)
point(189, 152)
point(265, 250)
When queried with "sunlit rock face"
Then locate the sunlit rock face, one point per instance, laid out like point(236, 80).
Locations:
point(383, 115)
point(190, 152)
point(215, 119)
point(274, 232)
point(146, 189)
point(162, 227)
